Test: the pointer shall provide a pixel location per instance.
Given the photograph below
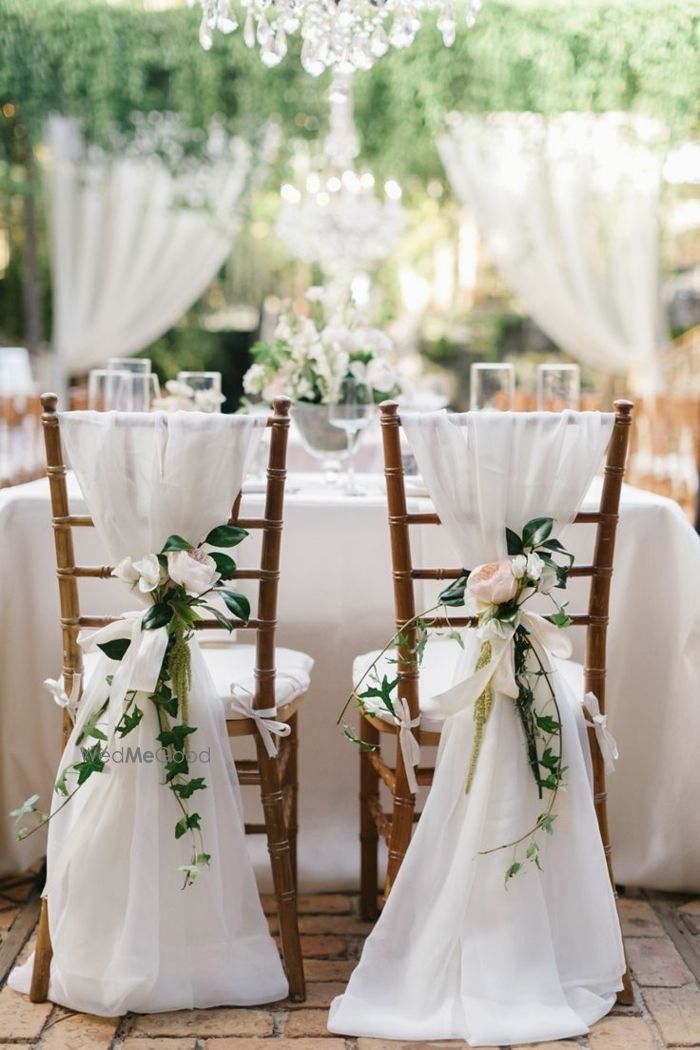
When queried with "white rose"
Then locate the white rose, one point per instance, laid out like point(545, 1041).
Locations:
point(194, 570)
point(518, 565)
point(149, 573)
point(126, 571)
point(548, 580)
point(380, 375)
point(177, 389)
point(535, 565)
point(208, 400)
point(358, 370)
point(254, 379)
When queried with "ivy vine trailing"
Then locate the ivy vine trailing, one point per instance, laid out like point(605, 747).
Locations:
point(181, 581)
point(496, 594)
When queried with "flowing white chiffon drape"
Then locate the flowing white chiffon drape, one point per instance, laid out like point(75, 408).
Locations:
point(455, 954)
point(125, 934)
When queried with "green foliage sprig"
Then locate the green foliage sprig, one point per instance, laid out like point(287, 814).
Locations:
point(179, 599)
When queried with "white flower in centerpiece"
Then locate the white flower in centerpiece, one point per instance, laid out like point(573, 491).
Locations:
point(315, 294)
point(149, 573)
point(380, 375)
point(358, 370)
point(194, 570)
point(518, 566)
point(178, 389)
point(374, 340)
point(208, 400)
point(535, 565)
point(254, 379)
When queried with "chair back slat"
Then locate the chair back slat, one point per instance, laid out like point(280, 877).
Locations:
point(266, 574)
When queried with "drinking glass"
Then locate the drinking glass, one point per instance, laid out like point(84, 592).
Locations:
point(138, 391)
point(558, 388)
point(103, 387)
point(352, 413)
point(492, 388)
point(206, 390)
point(129, 364)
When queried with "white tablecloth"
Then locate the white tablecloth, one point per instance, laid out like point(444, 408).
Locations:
point(336, 602)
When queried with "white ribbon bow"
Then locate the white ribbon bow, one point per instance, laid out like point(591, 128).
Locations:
point(599, 722)
point(410, 748)
point(267, 724)
point(140, 667)
point(500, 669)
point(70, 703)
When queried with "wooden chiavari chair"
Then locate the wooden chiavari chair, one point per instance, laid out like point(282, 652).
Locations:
point(276, 776)
point(395, 828)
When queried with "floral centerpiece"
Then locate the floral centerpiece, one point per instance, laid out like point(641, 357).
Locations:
point(311, 355)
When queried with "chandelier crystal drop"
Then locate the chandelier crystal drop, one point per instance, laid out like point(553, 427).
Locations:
point(347, 35)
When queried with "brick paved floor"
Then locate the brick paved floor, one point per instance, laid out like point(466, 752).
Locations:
point(663, 942)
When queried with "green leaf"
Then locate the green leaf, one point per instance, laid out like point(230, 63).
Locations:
point(92, 763)
point(202, 858)
point(175, 543)
point(533, 854)
point(238, 604)
point(456, 636)
point(555, 545)
point(454, 594)
point(546, 821)
point(515, 544)
point(129, 720)
point(223, 620)
point(515, 869)
point(192, 820)
point(547, 723)
point(536, 532)
point(188, 789)
point(90, 728)
point(225, 565)
point(226, 536)
point(383, 693)
point(158, 616)
point(184, 611)
point(61, 787)
point(176, 768)
point(116, 649)
point(561, 618)
point(176, 737)
point(549, 760)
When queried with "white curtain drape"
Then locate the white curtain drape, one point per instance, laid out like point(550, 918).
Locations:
point(569, 208)
point(137, 235)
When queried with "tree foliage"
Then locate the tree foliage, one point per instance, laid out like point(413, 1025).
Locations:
point(101, 63)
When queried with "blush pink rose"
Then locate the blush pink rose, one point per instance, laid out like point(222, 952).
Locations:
point(493, 583)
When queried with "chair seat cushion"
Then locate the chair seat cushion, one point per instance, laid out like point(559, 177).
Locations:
point(234, 664)
point(437, 674)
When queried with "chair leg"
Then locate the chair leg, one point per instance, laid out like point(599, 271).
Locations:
point(281, 861)
point(292, 779)
point(369, 836)
point(43, 953)
point(401, 823)
point(600, 799)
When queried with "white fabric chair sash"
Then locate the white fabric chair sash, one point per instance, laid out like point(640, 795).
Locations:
point(145, 477)
point(542, 959)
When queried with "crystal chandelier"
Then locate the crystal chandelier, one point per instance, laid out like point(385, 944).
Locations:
point(344, 34)
point(335, 218)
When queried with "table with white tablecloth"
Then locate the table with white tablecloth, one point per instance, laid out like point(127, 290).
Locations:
point(336, 602)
